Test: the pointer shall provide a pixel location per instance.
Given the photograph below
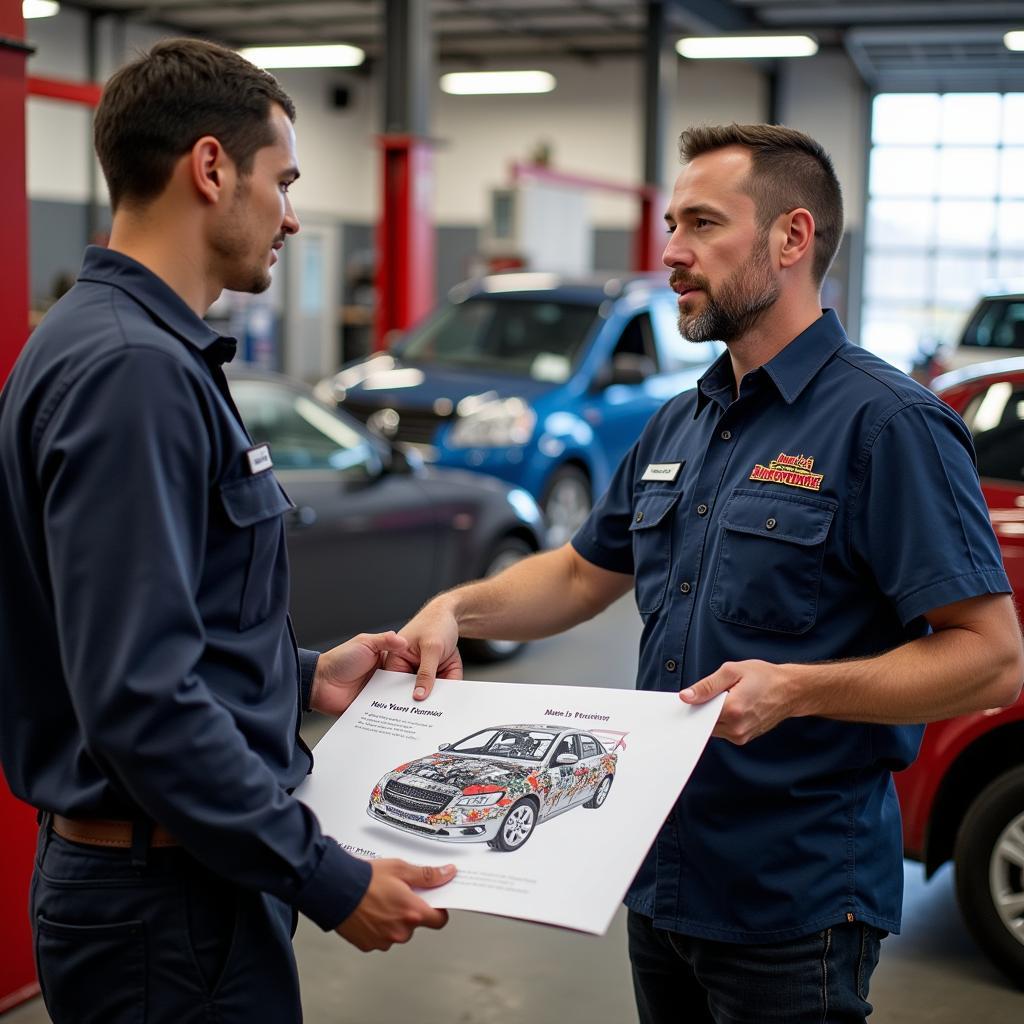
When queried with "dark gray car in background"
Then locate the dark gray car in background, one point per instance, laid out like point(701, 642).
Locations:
point(374, 533)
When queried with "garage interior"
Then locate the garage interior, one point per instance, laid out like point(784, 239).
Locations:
point(406, 191)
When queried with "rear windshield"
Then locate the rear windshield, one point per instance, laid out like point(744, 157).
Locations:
point(536, 338)
point(996, 324)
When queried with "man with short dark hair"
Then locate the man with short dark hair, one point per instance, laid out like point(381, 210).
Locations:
point(152, 687)
point(805, 532)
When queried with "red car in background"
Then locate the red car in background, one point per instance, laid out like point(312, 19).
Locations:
point(963, 799)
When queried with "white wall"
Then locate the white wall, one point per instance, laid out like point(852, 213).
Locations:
point(825, 97)
point(58, 133)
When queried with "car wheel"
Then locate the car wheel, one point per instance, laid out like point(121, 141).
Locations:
point(509, 551)
point(566, 503)
point(516, 827)
point(601, 793)
point(989, 858)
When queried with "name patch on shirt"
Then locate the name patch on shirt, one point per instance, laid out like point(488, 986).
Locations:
point(791, 470)
point(259, 458)
point(662, 471)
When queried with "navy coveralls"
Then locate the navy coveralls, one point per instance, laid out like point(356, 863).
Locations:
point(150, 668)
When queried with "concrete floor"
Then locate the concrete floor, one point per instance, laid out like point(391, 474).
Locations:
point(485, 970)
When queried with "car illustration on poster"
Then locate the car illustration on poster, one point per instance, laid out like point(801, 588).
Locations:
point(498, 784)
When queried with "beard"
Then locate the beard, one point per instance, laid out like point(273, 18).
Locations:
point(737, 304)
point(238, 253)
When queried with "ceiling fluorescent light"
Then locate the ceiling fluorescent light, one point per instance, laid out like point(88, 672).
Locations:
point(1014, 40)
point(489, 83)
point(39, 8)
point(739, 47)
point(338, 55)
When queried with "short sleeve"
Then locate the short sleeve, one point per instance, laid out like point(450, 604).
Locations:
point(604, 537)
point(920, 521)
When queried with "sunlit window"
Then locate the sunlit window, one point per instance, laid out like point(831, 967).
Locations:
point(945, 214)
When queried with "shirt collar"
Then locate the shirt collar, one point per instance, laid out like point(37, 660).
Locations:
point(791, 370)
point(105, 266)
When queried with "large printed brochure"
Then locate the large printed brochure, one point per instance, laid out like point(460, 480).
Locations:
point(546, 798)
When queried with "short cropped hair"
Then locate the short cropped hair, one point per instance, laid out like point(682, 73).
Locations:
point(789, 169)
point(154, 109)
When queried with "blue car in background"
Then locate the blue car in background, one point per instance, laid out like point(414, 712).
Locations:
point(542, 382)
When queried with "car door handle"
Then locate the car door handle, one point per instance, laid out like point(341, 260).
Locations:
point(301, 517)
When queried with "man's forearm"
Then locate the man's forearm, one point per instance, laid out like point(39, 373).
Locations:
point(537, 597)
point(958, 669)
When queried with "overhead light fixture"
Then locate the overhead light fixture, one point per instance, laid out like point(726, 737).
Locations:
point(1014, 40)
point(39, 8)
point(334, 55)
point(490, 83)
point(740, 47)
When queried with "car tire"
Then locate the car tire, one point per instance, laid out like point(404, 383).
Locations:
point(988, 852)
point(600, 794)
point(566, 503)
point(516, 827)
point(508, 551)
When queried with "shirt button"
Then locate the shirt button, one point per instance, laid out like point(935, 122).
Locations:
point(670, 665)
point(770, 524)
point(684, 587)
point(725, 435)
point(702, 510)
point(639, 517)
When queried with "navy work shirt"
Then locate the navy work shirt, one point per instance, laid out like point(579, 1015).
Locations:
point(149, 665)
point(817, 516)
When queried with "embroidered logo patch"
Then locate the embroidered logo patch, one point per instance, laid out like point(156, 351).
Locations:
point(791, 470)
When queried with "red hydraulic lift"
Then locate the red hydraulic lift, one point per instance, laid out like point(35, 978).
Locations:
point(406, 269)
point(17, 822)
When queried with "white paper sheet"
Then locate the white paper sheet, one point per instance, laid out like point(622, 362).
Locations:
point(576, 862)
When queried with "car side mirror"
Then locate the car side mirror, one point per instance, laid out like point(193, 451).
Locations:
point(566, 759)
point(625, 368)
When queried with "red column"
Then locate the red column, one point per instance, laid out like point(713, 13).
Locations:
point(13, 198)
point(648, 240)
point(406, 271)
point(17, 822)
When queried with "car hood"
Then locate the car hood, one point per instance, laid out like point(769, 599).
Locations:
point(465, 771)
point(390, 382)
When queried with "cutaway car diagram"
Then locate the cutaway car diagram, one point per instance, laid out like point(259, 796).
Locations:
point(498, 784)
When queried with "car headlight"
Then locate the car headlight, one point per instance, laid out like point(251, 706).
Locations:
point(480, 799)
point(495, 424)
point(326, 391)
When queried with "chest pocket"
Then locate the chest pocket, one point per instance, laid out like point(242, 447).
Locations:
point(651, 530)
point(256, 504)
point(768, 574)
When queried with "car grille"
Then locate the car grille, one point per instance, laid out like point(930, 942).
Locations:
point(415, 426)
point(412, 825)
point(413, 798)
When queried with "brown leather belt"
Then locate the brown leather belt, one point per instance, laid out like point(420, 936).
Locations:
point(104, 832)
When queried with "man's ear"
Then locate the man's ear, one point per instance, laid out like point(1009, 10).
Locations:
point(798, 241)
point(210, 168)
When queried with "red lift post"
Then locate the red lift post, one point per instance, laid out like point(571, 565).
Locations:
point(406, 258)
point(17, 822)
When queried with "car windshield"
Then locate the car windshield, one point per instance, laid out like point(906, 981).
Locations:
point(533, 337)
point(516, 744)
point(998, 324)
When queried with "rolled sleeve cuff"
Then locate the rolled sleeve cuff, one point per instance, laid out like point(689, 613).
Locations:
point(335, 888)
point(947, 591)
point(307, 669)
point(601, 556)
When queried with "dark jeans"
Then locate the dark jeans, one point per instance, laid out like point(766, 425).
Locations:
point(817, 979)
point(160, 942)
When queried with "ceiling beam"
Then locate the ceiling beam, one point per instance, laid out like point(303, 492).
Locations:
point(710, 16)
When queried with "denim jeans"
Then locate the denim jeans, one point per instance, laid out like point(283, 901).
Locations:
point(817, 979)
point(160, 942)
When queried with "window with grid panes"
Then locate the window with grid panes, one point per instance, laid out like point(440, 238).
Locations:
point(945, 215)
